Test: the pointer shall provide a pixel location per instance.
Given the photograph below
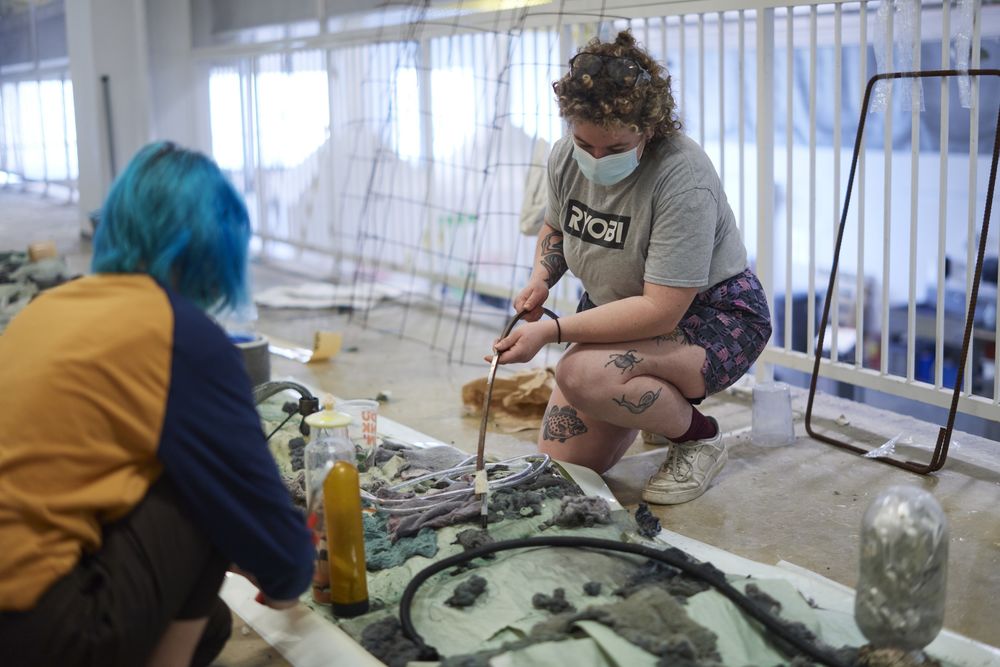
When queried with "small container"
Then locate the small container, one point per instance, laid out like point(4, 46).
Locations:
point(328, 444)
point(240, 325)
point(256, 356)
point(903, 569)
point(42, 250)
point(772, 424)
point(364, 424)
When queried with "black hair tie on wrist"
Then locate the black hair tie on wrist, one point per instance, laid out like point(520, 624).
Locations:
point(558, 332)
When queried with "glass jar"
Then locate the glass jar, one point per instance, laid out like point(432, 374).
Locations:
point(328, 443)
point(904, 564)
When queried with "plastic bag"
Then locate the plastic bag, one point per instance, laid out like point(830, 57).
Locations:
point(896, 42)
point(961, 22)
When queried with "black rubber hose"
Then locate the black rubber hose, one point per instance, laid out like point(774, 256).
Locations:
point(711, 576)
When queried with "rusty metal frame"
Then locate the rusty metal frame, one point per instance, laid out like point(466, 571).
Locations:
point(944, 434)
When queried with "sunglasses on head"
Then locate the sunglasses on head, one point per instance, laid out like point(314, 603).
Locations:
point(621, 70)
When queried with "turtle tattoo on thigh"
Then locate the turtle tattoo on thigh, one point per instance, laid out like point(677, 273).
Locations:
point(625, 362)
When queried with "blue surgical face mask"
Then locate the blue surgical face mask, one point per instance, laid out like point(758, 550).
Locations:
point(609, 169)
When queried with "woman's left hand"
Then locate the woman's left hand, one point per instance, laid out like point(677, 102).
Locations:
point(523, 343)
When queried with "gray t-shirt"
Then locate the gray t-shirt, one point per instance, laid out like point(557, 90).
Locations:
point(667, 223)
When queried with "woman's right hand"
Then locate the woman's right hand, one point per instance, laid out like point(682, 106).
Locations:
point(261, 598)
point(531, 299)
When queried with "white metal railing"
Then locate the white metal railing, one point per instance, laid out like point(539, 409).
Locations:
point(429, 186)
point(903, 331)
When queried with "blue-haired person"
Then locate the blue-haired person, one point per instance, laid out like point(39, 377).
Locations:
point(133, 468)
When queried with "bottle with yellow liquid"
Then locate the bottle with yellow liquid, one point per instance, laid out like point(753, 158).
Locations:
point(328, 443)
point(345, 541)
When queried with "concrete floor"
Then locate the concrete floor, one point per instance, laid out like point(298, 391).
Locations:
point(801, 503)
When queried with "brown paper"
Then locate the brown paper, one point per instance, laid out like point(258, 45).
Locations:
point(518, 401)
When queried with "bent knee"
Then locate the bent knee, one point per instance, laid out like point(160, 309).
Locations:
point(575, 375)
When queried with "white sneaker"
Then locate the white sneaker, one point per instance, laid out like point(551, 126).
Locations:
point(688, 470)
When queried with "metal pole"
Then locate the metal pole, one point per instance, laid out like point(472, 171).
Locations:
point(109, 124)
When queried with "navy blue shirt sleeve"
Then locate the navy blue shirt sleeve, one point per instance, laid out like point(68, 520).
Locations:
point(213, 448)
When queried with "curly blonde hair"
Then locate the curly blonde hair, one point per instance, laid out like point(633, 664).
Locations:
point(646, 106)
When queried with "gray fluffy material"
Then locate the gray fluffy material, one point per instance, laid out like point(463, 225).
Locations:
point(481, 659)
point(870, 656)
point(651, 619)
point(555, 603)
point(384, 639)
point(648, 525)
point(763, 599)
point(577, 511)
point(296, 452)
point(514, 503)
point(473, 538)
point(669, 578)
point(467, 592)
point(296, 485)
point(552, 485)
point(847, 654)
point(525, 500)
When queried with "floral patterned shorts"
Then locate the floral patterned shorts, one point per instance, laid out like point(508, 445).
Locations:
point(731, 321)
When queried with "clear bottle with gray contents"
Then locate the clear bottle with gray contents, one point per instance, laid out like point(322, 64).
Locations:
point(904, 564)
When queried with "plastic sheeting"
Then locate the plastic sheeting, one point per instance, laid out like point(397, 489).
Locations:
point(896, 40)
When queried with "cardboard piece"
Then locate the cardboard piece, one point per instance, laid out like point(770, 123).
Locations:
point(326, 344)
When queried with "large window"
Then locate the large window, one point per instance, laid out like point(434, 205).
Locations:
point(37, 121)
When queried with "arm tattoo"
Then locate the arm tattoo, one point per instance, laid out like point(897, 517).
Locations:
point(645, 401)
point(552, 258)
point(562, 424)
point(675, 336)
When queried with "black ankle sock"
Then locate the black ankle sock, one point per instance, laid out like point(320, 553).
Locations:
point(701, 428)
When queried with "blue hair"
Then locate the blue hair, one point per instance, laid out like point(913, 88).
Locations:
point(173, 215)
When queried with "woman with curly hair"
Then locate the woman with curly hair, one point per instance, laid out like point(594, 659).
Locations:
point(671, 313)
